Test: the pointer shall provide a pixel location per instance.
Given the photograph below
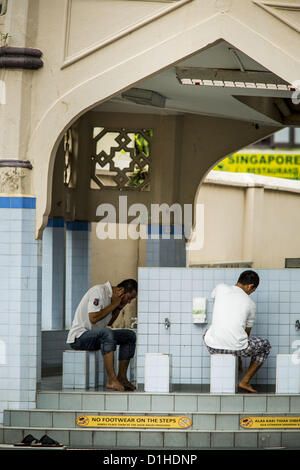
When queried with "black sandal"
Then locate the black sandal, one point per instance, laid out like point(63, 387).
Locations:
point(27, 441)
point(46, 441)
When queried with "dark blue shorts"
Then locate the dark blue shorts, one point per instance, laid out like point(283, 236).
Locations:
point(106, 340)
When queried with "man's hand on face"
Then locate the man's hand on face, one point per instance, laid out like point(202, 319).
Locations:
point(117, 296)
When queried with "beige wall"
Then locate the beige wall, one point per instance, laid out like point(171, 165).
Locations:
point(281, 227)
point(114, 261)
point(249, 223)
point(223, 230)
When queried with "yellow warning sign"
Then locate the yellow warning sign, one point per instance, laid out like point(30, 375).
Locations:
point(121, 421)
point(259, 422)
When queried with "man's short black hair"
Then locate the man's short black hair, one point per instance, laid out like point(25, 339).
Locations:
point(249, 277)
point(129, 285)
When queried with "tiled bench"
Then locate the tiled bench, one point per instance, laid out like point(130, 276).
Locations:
point(288, 373)
point(80, 369)
point(223, 373)
point(85, 369)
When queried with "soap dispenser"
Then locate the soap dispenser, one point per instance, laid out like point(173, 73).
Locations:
point(199, 310)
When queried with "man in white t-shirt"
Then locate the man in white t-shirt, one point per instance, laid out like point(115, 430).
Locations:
point(232, 319)
point(92, 329)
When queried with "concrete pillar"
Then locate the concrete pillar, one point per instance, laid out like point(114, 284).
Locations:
point(53, 249)
point(165, 246)
point(253, 224)
point(20, 303)
point(78, 266)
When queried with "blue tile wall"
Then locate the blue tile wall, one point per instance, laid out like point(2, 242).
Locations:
point(78, 266)
point(162, 251)
point(17, 202)
point(53, 247)
point(20, 278)
point(168, 293)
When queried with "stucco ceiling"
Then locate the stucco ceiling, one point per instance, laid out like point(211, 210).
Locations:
point(205, 100)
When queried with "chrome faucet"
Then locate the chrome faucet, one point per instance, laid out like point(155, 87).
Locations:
point(297, 325)
point(167, 323)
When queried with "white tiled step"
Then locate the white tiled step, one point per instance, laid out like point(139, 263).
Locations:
point(171, 402)
point(157, 439)
point(205, 421)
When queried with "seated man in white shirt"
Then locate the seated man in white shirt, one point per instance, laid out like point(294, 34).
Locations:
point(90, 331)
point(232, 319)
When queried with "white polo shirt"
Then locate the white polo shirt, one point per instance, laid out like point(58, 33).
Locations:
point(233, 312)
point(96, 298)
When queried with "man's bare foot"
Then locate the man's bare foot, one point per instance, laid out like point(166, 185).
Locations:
point(247, 387)
point(115, 385)
point(128, 385)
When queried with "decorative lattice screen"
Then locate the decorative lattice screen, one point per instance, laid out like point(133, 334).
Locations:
point(121, 158)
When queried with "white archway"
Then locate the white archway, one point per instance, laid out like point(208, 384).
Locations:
point(100, 87)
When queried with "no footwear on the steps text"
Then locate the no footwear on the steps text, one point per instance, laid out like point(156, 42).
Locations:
point(120, 421)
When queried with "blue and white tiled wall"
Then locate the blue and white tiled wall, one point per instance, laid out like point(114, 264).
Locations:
point(66, 250)
point(169, 251)
point(20, 303)
point(23, 290)
point(78, 265)
point(53, 247)
point(168, 293)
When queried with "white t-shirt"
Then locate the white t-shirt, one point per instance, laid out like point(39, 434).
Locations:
point(96, 298)
point(233, 312)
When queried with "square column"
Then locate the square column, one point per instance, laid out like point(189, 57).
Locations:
point(78, 266)
point(53, 275)
point(165, 246)
point(20, 304)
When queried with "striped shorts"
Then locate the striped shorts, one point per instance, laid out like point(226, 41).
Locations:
point(258, 349)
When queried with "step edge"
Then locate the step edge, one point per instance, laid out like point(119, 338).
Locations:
point(169, 394)
point(251, 431)
point(149, 412)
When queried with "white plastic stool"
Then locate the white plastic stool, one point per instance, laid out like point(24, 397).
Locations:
point(157, 372)
point(80, 369)
point(223, 373)
point(288, 373)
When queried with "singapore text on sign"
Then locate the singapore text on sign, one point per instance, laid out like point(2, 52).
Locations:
point(258, 422)
point(174, 422)
point(278, 165)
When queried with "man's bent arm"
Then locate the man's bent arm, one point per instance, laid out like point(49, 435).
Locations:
point(115, 315)
point(97, 316)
